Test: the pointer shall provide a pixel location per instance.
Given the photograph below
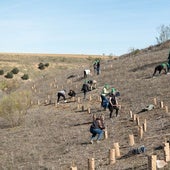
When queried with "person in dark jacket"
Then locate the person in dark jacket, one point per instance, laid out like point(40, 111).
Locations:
point(113, 104)
point(160, 68)
point(98, 67)
point(92, 84)
point(85, 88)
point(72, 93)
point(97, 128)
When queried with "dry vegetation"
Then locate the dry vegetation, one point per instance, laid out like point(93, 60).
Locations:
point(50, 137)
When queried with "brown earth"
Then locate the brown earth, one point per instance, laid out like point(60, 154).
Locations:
point(52, 137)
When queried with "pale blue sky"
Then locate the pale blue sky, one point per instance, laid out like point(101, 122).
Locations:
point(80, 26)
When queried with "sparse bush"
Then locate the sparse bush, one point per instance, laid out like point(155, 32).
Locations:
point(9, 75)
point(15, 70)
point(41, 66)
point(164, 34)
point(13, 107)
point(134, 51)
point(9, 85)
point(25, 77)
point(1, 72)
point(46, 64)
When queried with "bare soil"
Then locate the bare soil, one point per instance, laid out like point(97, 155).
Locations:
point(54, 136)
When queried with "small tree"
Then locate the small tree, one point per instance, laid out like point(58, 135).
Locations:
point(41, 66)
point(9, 75)
point(46, 64)
point(1, 72)
point(15, 70)
point(25, 77)
point(164, 34)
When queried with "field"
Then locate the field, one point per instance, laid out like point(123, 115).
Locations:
point(53, 137)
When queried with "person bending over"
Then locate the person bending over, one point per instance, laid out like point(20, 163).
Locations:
point(62, 94)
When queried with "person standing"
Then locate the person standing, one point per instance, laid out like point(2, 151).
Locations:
point(85, 88)
point(98, 67)
point(104, 94)
point(113, 104)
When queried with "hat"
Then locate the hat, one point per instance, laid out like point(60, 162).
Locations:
point(113, 90)
point(106, 86)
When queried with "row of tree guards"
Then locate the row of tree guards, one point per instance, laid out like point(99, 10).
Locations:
point(114, 152)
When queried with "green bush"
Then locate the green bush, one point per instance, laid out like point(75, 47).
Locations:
point(9, 75)
point(25, 77)
point(1, 72)
point(41, 66)
point(46, 64)
point(15, 70)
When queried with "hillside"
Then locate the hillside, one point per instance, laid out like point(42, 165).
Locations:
point(53, 136)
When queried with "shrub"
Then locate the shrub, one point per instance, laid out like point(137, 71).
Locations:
point(13, 107)
point(9, 75)
point(25, 77)
point(15, 70)
point(1, 72)
point(41, 66)
point(46, 64)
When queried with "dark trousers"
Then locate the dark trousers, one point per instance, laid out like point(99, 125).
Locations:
point(60, 95)
point(111, 108)
point(98, 71)
point(85, 75)
point(84, 92)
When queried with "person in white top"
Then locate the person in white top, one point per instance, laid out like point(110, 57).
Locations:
point(62, 94)
point(86, 72)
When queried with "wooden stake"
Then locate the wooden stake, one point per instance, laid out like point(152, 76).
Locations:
point(78, 99)
point(73, 99)
point(56, 104)
point(117, 150)
point(141, 132)
point(105, 134)
point(144, 126)
point(161, 104)
point(134, 117)
point(137, 120)
point(88, 110)
point(91, 164)
point(131, 140)
point(166, 109)
point(78, 106)
point(166, 151)
point(131, 114)
point(38, 102)
point(73, 168)
point(152, 162)
point(112, 159)
point(155, 101)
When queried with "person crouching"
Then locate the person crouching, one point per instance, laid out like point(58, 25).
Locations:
point(97, 128)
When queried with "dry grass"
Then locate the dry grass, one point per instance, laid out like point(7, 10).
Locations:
point(52, 137)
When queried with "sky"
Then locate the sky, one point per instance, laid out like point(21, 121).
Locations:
point(94, 27)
